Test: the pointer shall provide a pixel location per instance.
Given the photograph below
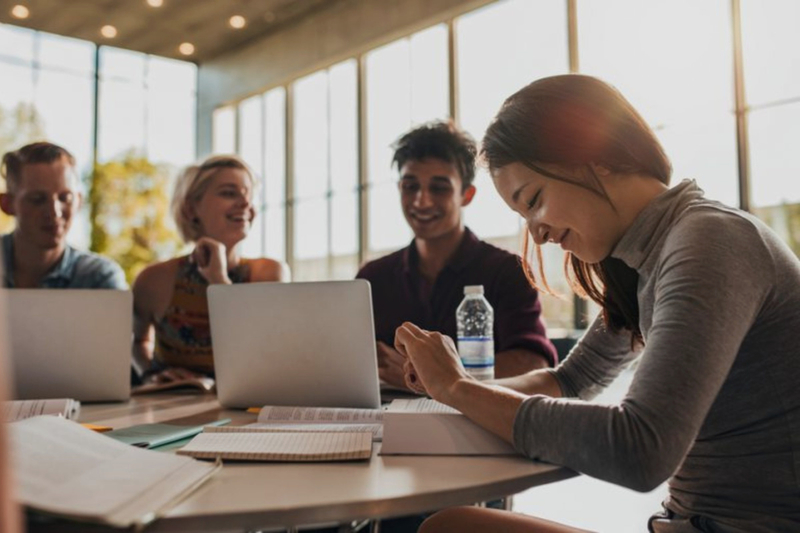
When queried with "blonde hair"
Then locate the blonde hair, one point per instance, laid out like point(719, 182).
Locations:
point(193, 183)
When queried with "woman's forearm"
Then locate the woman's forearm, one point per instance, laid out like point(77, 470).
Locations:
point(489, 406)
point(535, 382)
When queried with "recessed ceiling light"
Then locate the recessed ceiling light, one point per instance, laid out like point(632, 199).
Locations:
point(186, 49)
point(237, 21)
point(155, 3)
point(108, 31)
point(20, 12)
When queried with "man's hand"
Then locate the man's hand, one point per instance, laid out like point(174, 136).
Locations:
point(171, 374)
point(391, 366)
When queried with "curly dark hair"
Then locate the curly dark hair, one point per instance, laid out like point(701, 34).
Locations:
point(440, 140)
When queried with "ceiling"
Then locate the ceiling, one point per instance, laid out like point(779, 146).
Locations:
point(160, 31)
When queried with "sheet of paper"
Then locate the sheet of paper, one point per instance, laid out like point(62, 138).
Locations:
point(375, 429)
point(422, 405)
point(64, 468)
point(333, 415)
point(22, 409)
point(280, 446)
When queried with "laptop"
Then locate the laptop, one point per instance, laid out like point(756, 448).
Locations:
point(305, 344)
point(70, 343)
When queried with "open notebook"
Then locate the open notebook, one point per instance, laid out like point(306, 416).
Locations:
point(316, 419)
point(254, 444)
point(66, 470)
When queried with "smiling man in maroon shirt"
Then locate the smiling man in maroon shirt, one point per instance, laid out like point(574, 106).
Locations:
point(424, 282)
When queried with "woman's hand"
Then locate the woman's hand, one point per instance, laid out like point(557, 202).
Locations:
point(433, 365)
point(212, 260)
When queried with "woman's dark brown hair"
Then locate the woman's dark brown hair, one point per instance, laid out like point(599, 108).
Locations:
point(575, 121)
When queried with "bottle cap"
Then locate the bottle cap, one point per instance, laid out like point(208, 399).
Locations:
point(473, 289)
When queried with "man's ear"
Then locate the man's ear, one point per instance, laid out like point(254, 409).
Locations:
point(7, 203)
point(468, 195)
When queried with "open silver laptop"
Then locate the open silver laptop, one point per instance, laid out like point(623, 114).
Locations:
point(70, 343)
point(309, 344)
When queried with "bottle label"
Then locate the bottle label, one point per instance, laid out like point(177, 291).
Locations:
point(477, 356)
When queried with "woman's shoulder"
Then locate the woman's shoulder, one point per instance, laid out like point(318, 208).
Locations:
point(266, 269)
point(157, 275)
point(714, 223)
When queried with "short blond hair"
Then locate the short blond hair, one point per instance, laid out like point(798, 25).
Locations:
point(193, 183)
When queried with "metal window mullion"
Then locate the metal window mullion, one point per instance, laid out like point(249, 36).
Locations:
point(329, 186)
point(572, 36)
point(741, 112)
point(289, 183)
point(452, 59)
point(363, 179)
point(580, 307)
point(263, 170)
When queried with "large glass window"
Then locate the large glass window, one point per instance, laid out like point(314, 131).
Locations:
point(676, 70)
point(502, 48)
point(47, 93)
point(147, 106)
point(326, 174)
point(275, 173)
point(224, 130)
point(771, 50)
point(251, 144)
point(407, 84)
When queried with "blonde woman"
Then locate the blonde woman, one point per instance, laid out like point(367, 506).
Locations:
point(213, 209)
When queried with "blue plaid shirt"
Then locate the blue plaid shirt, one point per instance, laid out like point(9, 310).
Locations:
point(75, 270)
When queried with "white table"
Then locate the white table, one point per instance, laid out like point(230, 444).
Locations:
point(263, 496)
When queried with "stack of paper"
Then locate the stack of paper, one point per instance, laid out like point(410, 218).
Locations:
point(245, 444)
point(327, 419)
point(65, 469)
point(427, 427)
point(22, 409)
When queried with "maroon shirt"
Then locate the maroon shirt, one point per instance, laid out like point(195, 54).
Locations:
point(400, 293)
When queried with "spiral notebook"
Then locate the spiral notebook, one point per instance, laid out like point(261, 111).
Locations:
point(239, 444)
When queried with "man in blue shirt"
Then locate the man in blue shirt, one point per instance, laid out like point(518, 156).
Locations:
point(42, 194)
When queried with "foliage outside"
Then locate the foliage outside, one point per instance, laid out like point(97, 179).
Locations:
point(129, 213)
point(18, 127)
point(785, 220)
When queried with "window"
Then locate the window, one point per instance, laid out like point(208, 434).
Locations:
point(683, 86)
point(502, 48)
point(771, 50)
point(251, 142)
point(275, 173)
point(48, 94)
point(147, 106)
point(224, 130)
point(326, 174)
point(407, 84)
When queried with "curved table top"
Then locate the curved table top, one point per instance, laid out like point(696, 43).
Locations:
point(252, 496)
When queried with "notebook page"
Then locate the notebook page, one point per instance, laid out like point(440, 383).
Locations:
point(375, 429)
point(330, 415)
point(22, 409)
point(63, 468)
point(280, 446)
point(422, 405)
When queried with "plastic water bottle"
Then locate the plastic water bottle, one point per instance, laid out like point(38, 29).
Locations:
point(474, 321)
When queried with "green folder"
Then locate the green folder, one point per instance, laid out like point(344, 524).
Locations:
point(156, 435)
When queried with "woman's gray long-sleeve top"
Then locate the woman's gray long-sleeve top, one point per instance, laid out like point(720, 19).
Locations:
point(714, 405)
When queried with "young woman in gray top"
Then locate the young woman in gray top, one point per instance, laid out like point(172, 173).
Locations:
point(706, 294)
